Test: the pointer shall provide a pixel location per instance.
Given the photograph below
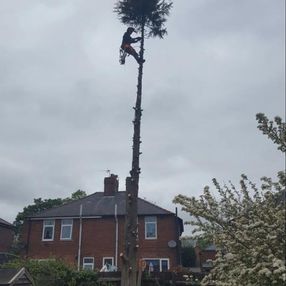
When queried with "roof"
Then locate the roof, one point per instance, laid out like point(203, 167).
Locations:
point(6, 275)
point(9, 276)
point(99, 204)
point(211, 247)
point(5, 223)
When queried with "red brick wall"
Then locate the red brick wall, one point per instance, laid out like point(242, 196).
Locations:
point(203, 255)
point(6, 238)
point(207, 254)
point(98, 240)
point(38, 249)
point(158, 248)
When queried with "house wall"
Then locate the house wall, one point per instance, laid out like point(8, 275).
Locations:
point(207, 254)
point(203, 255)
point(39, 249)
point(158, 248)
point(6, 238)
point(98, 240)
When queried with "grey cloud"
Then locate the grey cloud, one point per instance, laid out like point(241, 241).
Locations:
point(66, 103)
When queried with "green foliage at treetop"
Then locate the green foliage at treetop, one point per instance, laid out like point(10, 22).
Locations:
point(41, 205)
point(149, 14)
point(246, 223)
point(55, 273)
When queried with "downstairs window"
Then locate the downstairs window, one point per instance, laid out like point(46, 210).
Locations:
point(88, 263)
point(157, 264)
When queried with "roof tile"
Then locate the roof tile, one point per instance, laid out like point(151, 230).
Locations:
point(99, 205)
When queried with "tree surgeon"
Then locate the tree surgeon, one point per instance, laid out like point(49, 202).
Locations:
point(127, 40)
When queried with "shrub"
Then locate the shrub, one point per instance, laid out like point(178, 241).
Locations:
point(55, 273)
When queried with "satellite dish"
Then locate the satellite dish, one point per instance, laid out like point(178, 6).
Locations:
point(172, 243)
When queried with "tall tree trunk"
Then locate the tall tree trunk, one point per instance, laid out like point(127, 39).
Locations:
point(130, 259)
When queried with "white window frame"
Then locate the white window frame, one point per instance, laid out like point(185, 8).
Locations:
point(66, 225)
point(43, 259)
point(160, 262)
point(168, 263)
point(48, 225)
point(104, 258)
point(88, 263)
point(153, 222)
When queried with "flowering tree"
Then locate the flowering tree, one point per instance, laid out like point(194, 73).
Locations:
point(247, 224)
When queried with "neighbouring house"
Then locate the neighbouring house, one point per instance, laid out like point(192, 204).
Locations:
point(89, 233)
point(205, 257)
point(15, 277)
point(7, 232)
point(202, 257)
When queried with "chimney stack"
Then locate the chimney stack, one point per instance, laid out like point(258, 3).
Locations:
point(111, 185)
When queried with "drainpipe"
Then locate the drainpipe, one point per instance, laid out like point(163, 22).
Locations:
point(79, 238)
point(116, 234)
point(179, 251)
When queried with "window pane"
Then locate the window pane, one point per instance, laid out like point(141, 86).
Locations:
point(108, 261)
point(150, 227)
point(152, 265)
point(48, 232)
point(164, 265)
point(49, 222)
point(66, 232)
point(88, 267)
point(67, 221)
point(88, 260)
point(150, 219)
point(151, 230)
point(88, 263)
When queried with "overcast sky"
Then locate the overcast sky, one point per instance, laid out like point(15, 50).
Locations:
point(66, 102)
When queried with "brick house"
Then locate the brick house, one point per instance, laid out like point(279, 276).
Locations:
point(89, 233)
point(205, 257)
point(7, 233)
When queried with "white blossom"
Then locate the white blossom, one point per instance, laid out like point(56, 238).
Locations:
point(229, 256)
point(247, 224)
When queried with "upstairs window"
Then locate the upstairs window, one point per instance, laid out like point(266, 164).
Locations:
point(66, 229)
point(48, 230)
point(150, 227)
point(88, 263)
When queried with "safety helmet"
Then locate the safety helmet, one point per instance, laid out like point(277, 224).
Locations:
point(130, 29)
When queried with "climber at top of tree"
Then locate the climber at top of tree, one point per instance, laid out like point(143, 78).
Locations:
point(127, 40)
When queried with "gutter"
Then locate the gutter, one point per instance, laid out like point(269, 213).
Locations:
point(116, 234)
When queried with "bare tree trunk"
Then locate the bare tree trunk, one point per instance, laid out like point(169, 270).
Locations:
point(130, 259)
